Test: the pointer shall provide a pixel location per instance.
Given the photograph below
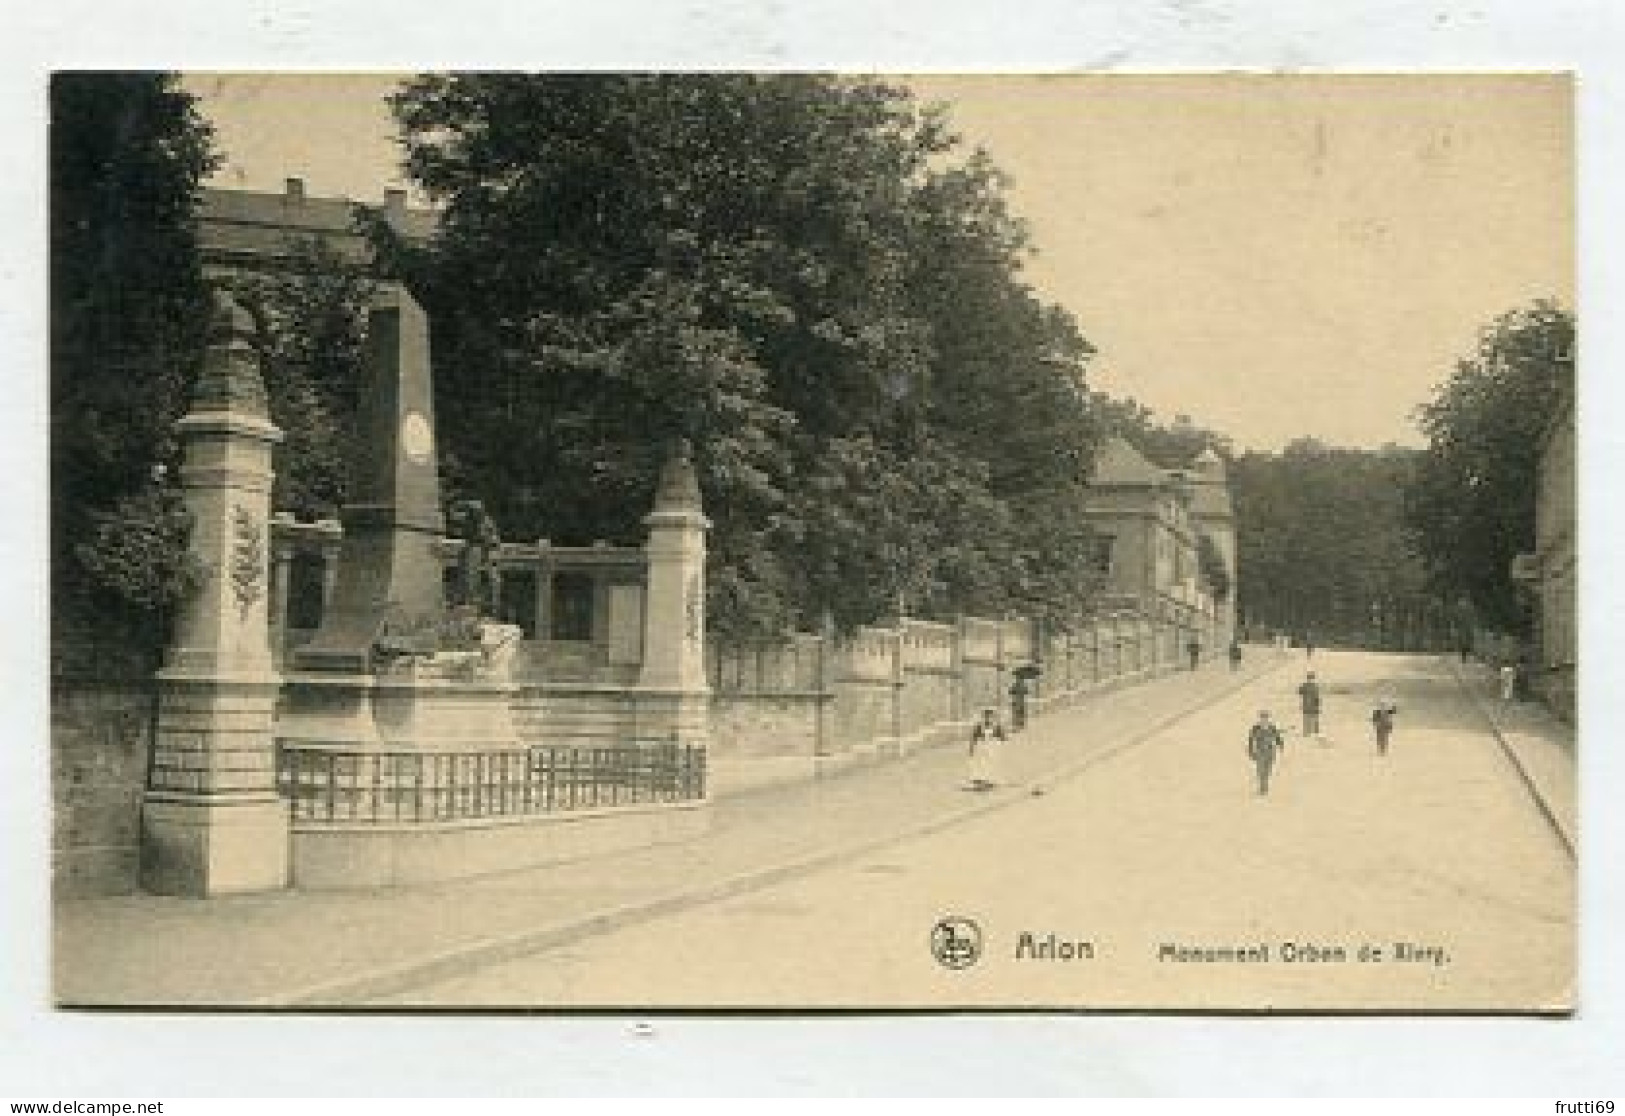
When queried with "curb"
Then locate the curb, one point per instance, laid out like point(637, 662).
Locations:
point(394, 979)
point(1530, 785)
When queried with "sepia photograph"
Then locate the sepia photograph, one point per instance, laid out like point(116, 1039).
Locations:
point(809, 541)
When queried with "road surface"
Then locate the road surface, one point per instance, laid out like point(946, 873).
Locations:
point(1156, 878)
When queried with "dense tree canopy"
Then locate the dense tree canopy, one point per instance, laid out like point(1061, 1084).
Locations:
point(805, 276)
point(1472, 505)
point(1322, 546)
point(1171, 445)
point(310, 329)
point(129, 315)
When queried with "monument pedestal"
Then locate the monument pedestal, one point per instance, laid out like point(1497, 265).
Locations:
point(212, 823)
point(445, 714)
point(202, 847)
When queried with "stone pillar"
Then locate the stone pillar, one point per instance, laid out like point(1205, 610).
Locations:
point(673, 688)
point(212, 822)
point(332, 543)
point(544, 591)
point(282, 553)
point(961, 675)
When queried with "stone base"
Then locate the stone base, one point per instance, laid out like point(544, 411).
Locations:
point(363, 711)
point(677, 716)
point(204, 848)
point(445, 715)
point(330, 857)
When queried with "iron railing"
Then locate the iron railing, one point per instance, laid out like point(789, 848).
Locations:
point(326, 786)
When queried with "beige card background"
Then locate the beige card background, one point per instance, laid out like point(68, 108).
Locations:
point(1534, 969)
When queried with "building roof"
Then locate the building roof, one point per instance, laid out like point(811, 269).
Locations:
point(1119, 464)
point(256, 227)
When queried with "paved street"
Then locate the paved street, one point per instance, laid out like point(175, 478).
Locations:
point(1435, 854)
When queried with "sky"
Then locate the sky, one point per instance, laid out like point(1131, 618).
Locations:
point(1275, 256)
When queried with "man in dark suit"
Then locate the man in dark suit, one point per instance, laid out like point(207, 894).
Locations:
point(1264, 743)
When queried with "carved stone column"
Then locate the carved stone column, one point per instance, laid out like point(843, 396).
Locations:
point(212, 822)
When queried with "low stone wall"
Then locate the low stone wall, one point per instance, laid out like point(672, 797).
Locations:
point(761, 739)
point(813, 706)
point(101, 735)
point(329, 857)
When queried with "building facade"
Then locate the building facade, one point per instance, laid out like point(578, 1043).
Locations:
point(253, 230)
point(1150, 522)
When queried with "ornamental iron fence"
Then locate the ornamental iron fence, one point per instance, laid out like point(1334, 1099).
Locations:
point(323, 786)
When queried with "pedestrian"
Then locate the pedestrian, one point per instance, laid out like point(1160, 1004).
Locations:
point(1309, 702)
point(986, 741)
point(1308, 646)
point(1194, 650)
point(1509, 681)
point(1235, 654)
point(1018, 704)
point(1382, 723)
point(1264, 743)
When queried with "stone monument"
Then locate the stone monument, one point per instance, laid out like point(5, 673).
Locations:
point(389, 668)
point(674, 696)
point(390, 561)
point(212, 822)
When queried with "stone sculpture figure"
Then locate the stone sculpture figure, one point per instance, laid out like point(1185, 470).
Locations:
point(479, 577)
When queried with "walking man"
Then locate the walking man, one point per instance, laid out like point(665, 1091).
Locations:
point(1309, 702)
point(1382, 723)
point(1264, 743)
point(1235, 654)
point(1194, 650)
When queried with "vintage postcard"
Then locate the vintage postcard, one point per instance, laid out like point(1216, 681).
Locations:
point(808, 541)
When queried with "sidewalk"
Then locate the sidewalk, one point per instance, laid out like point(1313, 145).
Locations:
point(1541, 747)
point(333, 948)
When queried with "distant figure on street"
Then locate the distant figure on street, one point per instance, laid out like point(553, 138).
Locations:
point(1308, 646)
point(1509, 681)
point(1235, 654)
point(1382, 723)
point(1264, 743)
point(1018, 704)
point(1309, 702)
point(986, 741)
point(1194, 650)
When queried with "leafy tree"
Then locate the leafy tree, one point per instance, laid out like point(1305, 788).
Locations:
point(1322, 547)
point(1170, 445)
point(1472, 505)
point(129, 315)
point(1210, 562)
point(310, 317)
point(803, 275)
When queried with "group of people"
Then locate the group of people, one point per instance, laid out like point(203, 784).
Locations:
point(1265, 742)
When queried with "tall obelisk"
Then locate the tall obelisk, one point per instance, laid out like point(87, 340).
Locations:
point(390, 562)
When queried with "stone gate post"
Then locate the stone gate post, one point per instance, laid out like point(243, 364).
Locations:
point(674, 694)
point(212, 821)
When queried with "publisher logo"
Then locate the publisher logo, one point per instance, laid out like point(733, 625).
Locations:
point(956, 942)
